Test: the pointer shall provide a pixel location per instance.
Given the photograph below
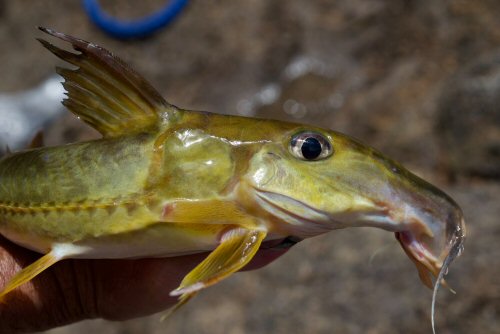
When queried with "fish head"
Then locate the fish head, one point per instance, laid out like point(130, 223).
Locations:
point(313, 180)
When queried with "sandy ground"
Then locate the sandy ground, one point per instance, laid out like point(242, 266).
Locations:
point(420, 80)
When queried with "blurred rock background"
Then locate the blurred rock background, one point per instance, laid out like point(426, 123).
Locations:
point(418, 79)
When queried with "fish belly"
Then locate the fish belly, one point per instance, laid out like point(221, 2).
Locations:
point(156, 240)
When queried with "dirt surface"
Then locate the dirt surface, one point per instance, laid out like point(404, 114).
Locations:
point(418, 79)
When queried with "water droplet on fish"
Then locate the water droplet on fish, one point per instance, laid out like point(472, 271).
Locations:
point(460, 250)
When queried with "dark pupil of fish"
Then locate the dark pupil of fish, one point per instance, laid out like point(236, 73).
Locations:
point(311, 148)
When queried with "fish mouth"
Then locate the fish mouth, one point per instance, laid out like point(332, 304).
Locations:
point(419, 244)
point(424, 260)
point(429, 265)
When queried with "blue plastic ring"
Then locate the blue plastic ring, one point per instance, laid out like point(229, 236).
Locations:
point(133, 28)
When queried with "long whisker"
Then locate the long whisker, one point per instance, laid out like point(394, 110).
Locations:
point(457, 246)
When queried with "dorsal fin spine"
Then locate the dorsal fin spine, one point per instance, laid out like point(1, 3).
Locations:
point(106, 93)
point(90, 86)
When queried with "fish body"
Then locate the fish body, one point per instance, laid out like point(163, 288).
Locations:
point(164, 181)
point(110, 192)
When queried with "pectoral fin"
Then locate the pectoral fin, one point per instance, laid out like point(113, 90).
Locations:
point(237, 248)
point(58, 253)
point(105, 92)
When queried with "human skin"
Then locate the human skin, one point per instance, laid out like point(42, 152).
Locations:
point(74, 290)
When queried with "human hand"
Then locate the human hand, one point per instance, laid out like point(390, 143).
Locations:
point(74, 290)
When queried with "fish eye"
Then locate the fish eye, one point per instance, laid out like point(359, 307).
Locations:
point(310, 146)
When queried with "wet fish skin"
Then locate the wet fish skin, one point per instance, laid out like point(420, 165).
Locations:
point(164, 181)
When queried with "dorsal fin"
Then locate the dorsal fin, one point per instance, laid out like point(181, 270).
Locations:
point(105, 92)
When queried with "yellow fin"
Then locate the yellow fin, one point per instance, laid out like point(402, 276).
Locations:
point(105, 92)
point(29, 272)
point(182, 301)
point(58, 253)
point(237, 248)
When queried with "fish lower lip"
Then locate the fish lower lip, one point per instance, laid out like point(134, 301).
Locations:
point(427, 264)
